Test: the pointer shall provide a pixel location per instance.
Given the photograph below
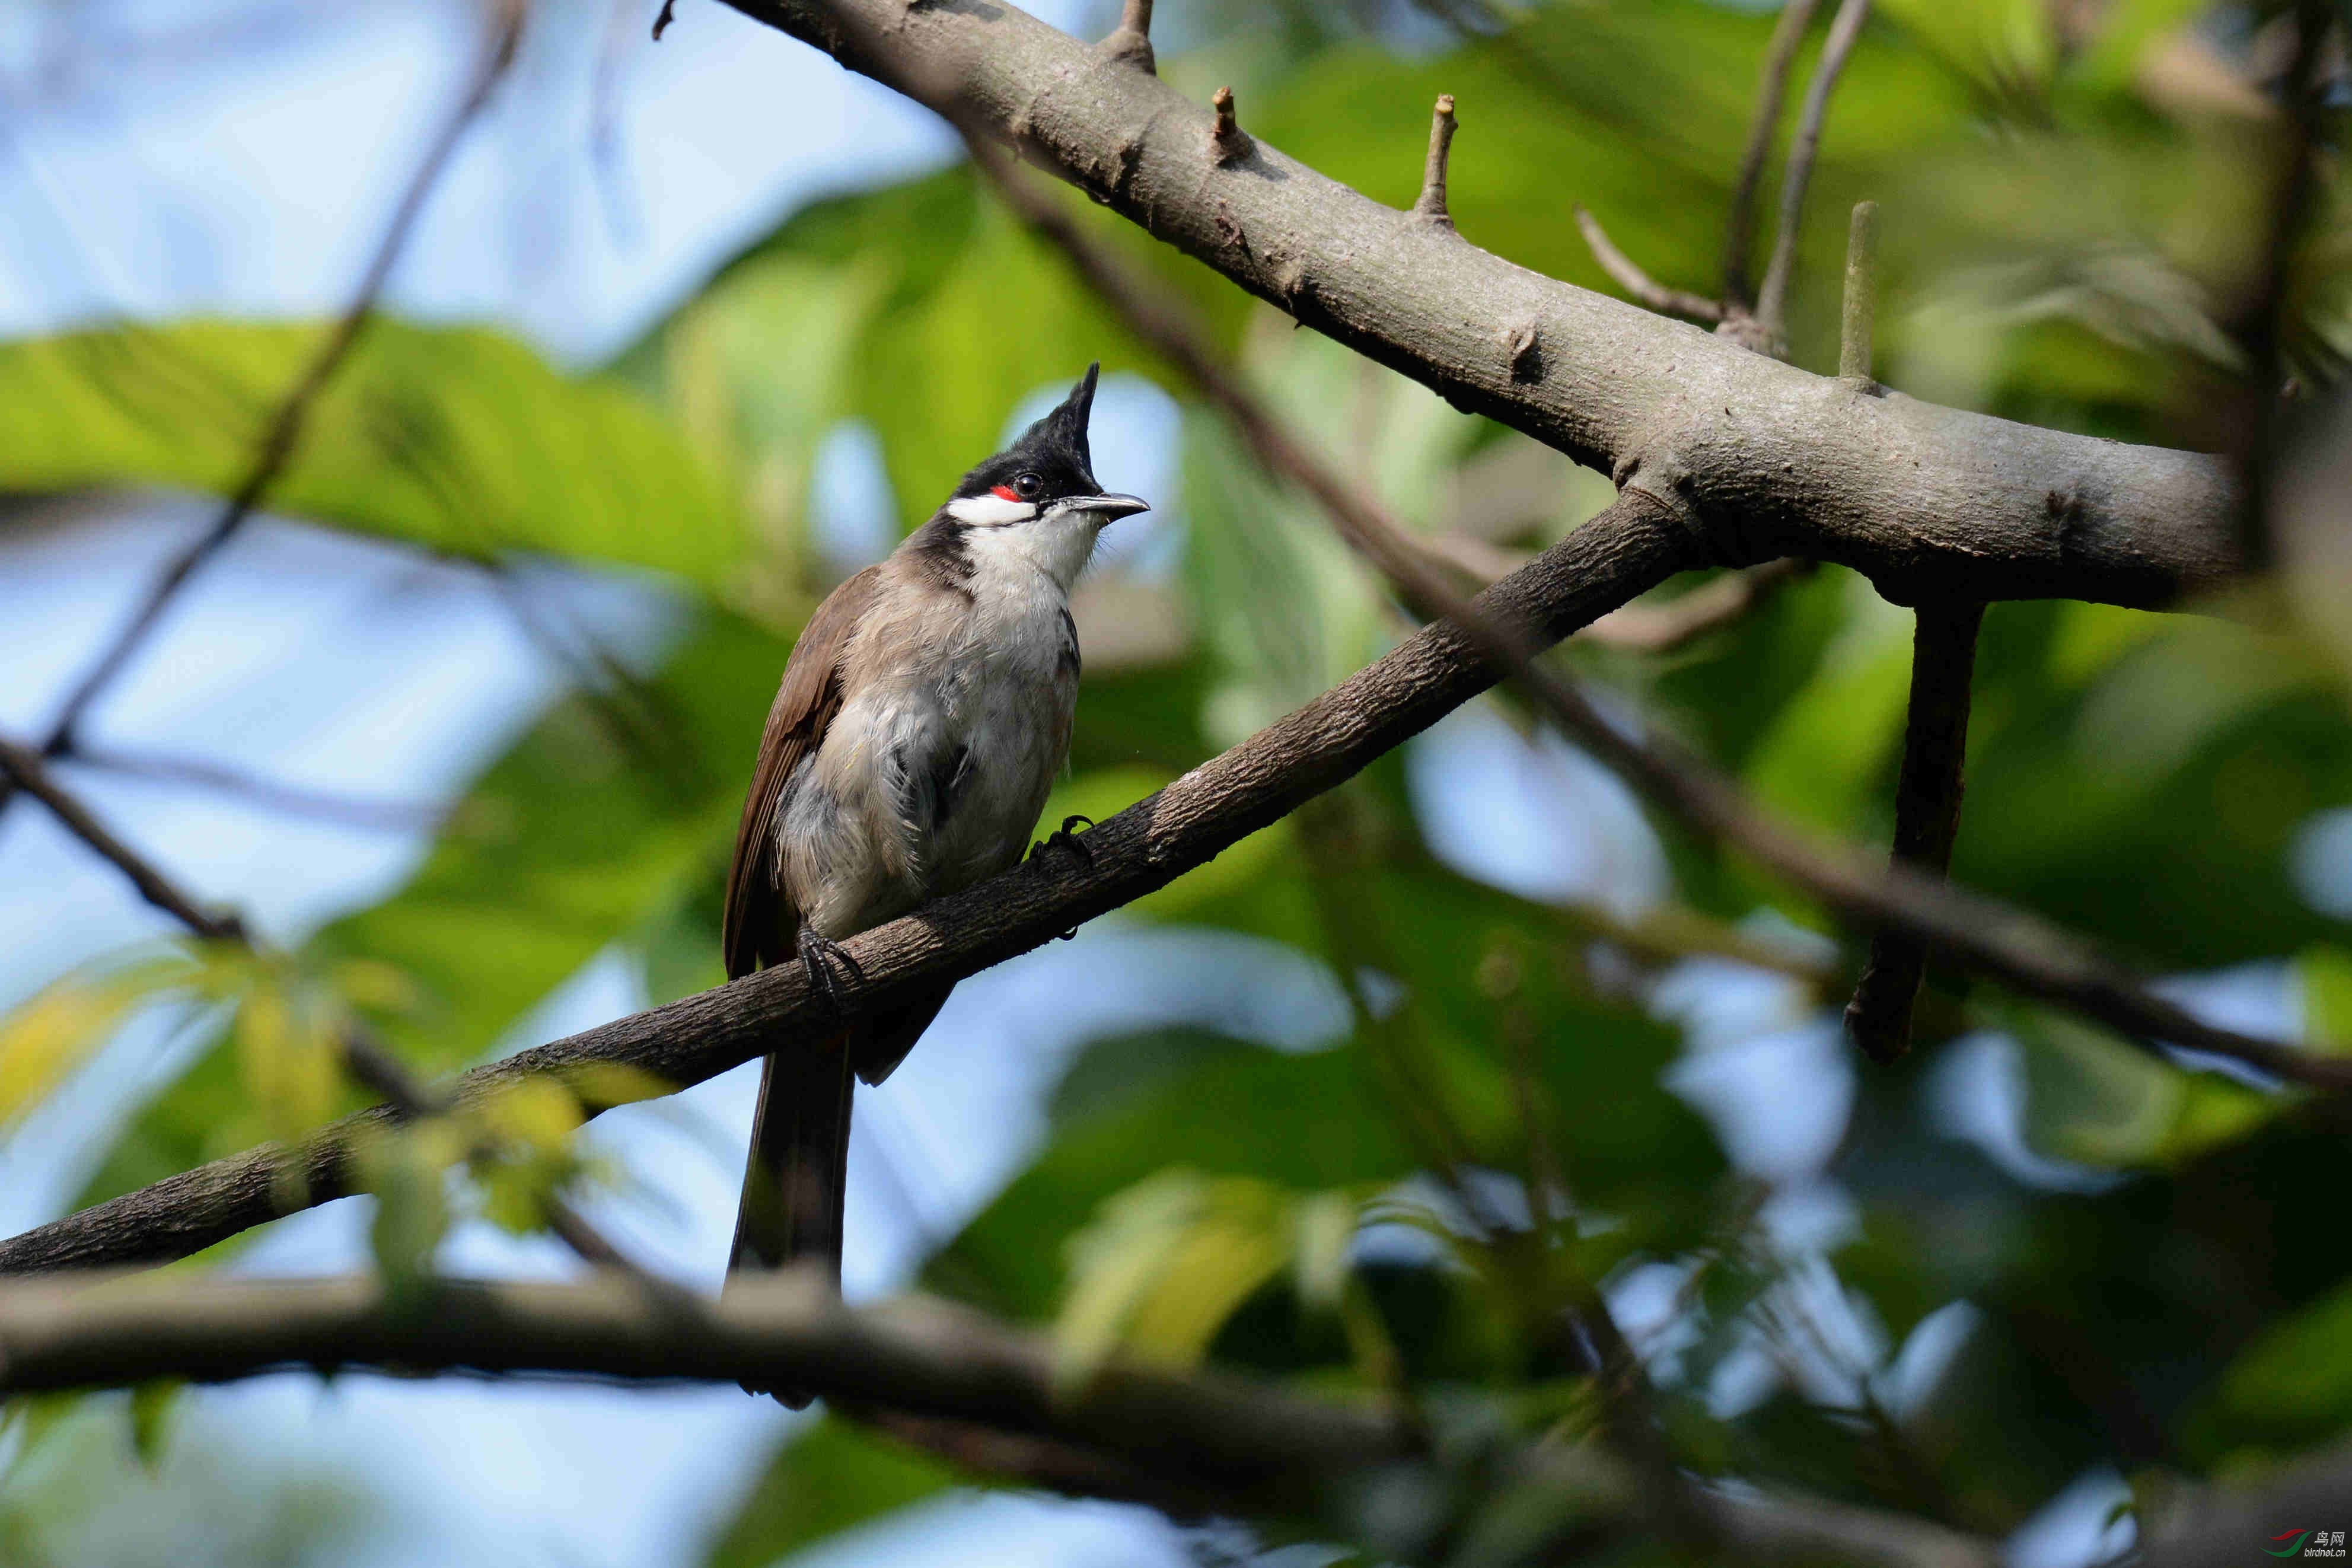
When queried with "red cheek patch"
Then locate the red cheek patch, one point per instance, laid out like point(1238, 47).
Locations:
point(1004, 492)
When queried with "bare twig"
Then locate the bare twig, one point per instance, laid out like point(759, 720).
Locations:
point(1251, 1445)
point(664, 18)
point(1228, 143)
point(27, 772)
point(1662, 628)
point(1430, 208)
point(1645, 289)
point(1860, 305)
point(1772, 299)
point(1779, 59)
point(386, 815)
point(284, 432)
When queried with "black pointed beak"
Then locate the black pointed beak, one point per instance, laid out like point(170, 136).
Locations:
point(1111, 508)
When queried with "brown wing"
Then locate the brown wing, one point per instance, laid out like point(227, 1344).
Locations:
point(761, 921)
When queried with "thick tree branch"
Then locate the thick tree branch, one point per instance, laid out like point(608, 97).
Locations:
point(2009, 945)
point(1604, 564)
point(1765, 460)
point(1253, 1446)
point(284, 432)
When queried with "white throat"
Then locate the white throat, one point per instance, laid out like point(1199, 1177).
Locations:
point(1057, 545)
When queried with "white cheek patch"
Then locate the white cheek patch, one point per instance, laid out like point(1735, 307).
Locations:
point(990, 511)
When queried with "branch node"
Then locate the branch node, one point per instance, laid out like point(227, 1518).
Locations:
point(1523, 346)
point(1750, 333)
point(1227, 141)
point(1130, 43)
point(1429, 208)
point(1861, 302)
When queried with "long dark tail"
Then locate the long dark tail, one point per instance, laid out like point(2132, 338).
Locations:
point(797, 1175)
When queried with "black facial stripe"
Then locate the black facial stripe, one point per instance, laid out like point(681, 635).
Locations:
point(943, 555)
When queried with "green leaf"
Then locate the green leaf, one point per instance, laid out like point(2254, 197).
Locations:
point(2291, 1389)
point(2325, 972)
point(828, 1478)
point(152, 1407)
point(2099, 1100)
point(1165, 1263)
point(49, 1033)
point(456, 438)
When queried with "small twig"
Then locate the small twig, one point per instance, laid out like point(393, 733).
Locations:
point(1861, 300)
point(1130, 41)
point(1927, 817)
point(27, 772)
point(1227, 141)
point(1772, 299)
point(1779, 59)
point(1646, 290)
point(1662, 628)
point(286, 426)
point(383, 815)
point(664, 18)
point(1430, 207)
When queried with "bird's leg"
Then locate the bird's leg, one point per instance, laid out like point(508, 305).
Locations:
point(819, 954)
point(1063, 837)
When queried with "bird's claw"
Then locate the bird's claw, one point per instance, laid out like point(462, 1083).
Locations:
point(1063, 837)
point(819, 955)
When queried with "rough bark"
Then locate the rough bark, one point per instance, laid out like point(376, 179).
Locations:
point(1761, 460)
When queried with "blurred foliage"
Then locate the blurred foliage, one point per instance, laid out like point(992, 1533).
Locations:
point(457, 440)
point(2043, 1251)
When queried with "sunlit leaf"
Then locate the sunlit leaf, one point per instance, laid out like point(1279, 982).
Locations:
point(456, 439)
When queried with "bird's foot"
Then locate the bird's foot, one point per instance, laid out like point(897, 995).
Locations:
point(824, 958)
point(1064, 837)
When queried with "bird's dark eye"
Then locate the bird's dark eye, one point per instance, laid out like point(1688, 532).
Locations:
point(1027, 486)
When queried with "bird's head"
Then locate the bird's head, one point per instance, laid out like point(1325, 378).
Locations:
point(1047, 476)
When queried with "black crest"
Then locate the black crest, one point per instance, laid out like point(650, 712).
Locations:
point(1055, 450)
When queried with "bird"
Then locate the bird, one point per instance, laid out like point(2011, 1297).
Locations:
point(922, 717)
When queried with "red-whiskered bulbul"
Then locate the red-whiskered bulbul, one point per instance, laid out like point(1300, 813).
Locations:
point(923, 715)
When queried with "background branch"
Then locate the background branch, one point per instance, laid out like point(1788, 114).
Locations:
point(1771, 91)
point(938, 1364)
point(1772, 299)
point(283, 434)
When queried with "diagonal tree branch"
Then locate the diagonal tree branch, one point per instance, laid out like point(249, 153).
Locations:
point(2009, 945)
point(1249, 1444)
point(284, 432)
point(1765, 460)
point(1618, 555)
